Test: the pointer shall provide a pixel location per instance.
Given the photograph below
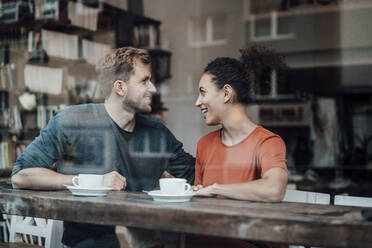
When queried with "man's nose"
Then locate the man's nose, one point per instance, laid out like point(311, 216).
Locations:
point(152, 88)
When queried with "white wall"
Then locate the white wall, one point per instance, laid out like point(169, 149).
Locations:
point(180, 92)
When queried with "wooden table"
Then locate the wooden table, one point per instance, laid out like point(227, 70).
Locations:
point(291, 223)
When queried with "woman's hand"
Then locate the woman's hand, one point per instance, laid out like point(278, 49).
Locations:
point(207, 191)
point(197, 187)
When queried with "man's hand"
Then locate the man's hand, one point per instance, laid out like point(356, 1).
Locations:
point(114, 180)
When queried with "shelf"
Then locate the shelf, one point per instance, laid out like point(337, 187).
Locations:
point(24, 142)
point(9, 130)
point(56, 25)
point(18, 92)
point(274, 100)
point(143, 20)
point(285, 124)
point(55, 61)
point(82, 99)
point(30, 130)
point(58, 62)
point(5, 172)
point(163, 78)
point(114, 27)
point(312, 9)
point(157, 51)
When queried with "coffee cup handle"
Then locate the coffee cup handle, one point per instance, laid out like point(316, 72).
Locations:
point(188, 187)
point(75, 183)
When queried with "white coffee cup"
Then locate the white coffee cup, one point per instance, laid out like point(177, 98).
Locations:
point(88, 181)
point(174, 186)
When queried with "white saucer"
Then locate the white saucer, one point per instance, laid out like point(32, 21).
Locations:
point(158, 196)
point(78, 191)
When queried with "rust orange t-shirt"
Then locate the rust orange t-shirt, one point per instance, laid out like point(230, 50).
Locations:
point(248, 160)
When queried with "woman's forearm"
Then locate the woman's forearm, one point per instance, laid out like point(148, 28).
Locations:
point(257, 190)
point(270, 188)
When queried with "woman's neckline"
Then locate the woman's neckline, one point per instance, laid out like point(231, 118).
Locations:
point(238, 143)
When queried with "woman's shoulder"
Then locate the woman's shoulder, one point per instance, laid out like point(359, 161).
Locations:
point(209, 137)
point(264, 135)
point(261, 131)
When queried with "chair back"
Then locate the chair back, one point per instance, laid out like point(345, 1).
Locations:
point(42, 232)
point(353, 201)
point(306, 197)
point(5, 227)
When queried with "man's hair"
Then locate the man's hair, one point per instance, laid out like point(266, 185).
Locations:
point(119, 65)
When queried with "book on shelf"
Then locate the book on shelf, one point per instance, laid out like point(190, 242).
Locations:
point(67, 46)
point(83, 16)
point(92, 51)
point(33, 41)
point(145, 35)
point(124, 31)
point(10, 76)
point(85, 88)
point(4, 118)
point(89, 89)
point(47, 9)
point(36, 120)
point(19, 149)
point(161, 67)
point(43, 79)
point(15, 39)
point(60, 44)
point(10, 118)
point(4, 155)
point(4, 100)
point(17, 123)
point(4, 54)
point(72, 85)
point(4, 109)
point(44, 114)
point(6, 78)
point(15, 11)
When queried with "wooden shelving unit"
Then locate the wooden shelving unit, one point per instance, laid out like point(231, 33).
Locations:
point(115, 28)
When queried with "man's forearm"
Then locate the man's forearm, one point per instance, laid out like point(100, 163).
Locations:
point(40, 178)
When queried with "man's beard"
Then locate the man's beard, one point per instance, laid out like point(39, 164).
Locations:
point(132, 107)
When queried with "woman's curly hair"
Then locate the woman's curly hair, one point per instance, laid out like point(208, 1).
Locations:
point(252, 70)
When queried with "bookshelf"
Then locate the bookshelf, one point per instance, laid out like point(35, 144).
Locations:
point(48, 52)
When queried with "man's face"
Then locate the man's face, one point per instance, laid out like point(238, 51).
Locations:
point(139, 89)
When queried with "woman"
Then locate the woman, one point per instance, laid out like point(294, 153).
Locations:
point(241, 160)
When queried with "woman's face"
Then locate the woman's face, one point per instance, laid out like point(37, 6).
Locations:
point(210, 100)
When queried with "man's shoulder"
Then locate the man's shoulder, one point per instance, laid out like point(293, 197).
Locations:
point(83, 114)
point(78, 109)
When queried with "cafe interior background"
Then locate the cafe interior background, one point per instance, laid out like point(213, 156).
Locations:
point(322, 106)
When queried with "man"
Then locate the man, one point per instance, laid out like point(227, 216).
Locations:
point(132, 151)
